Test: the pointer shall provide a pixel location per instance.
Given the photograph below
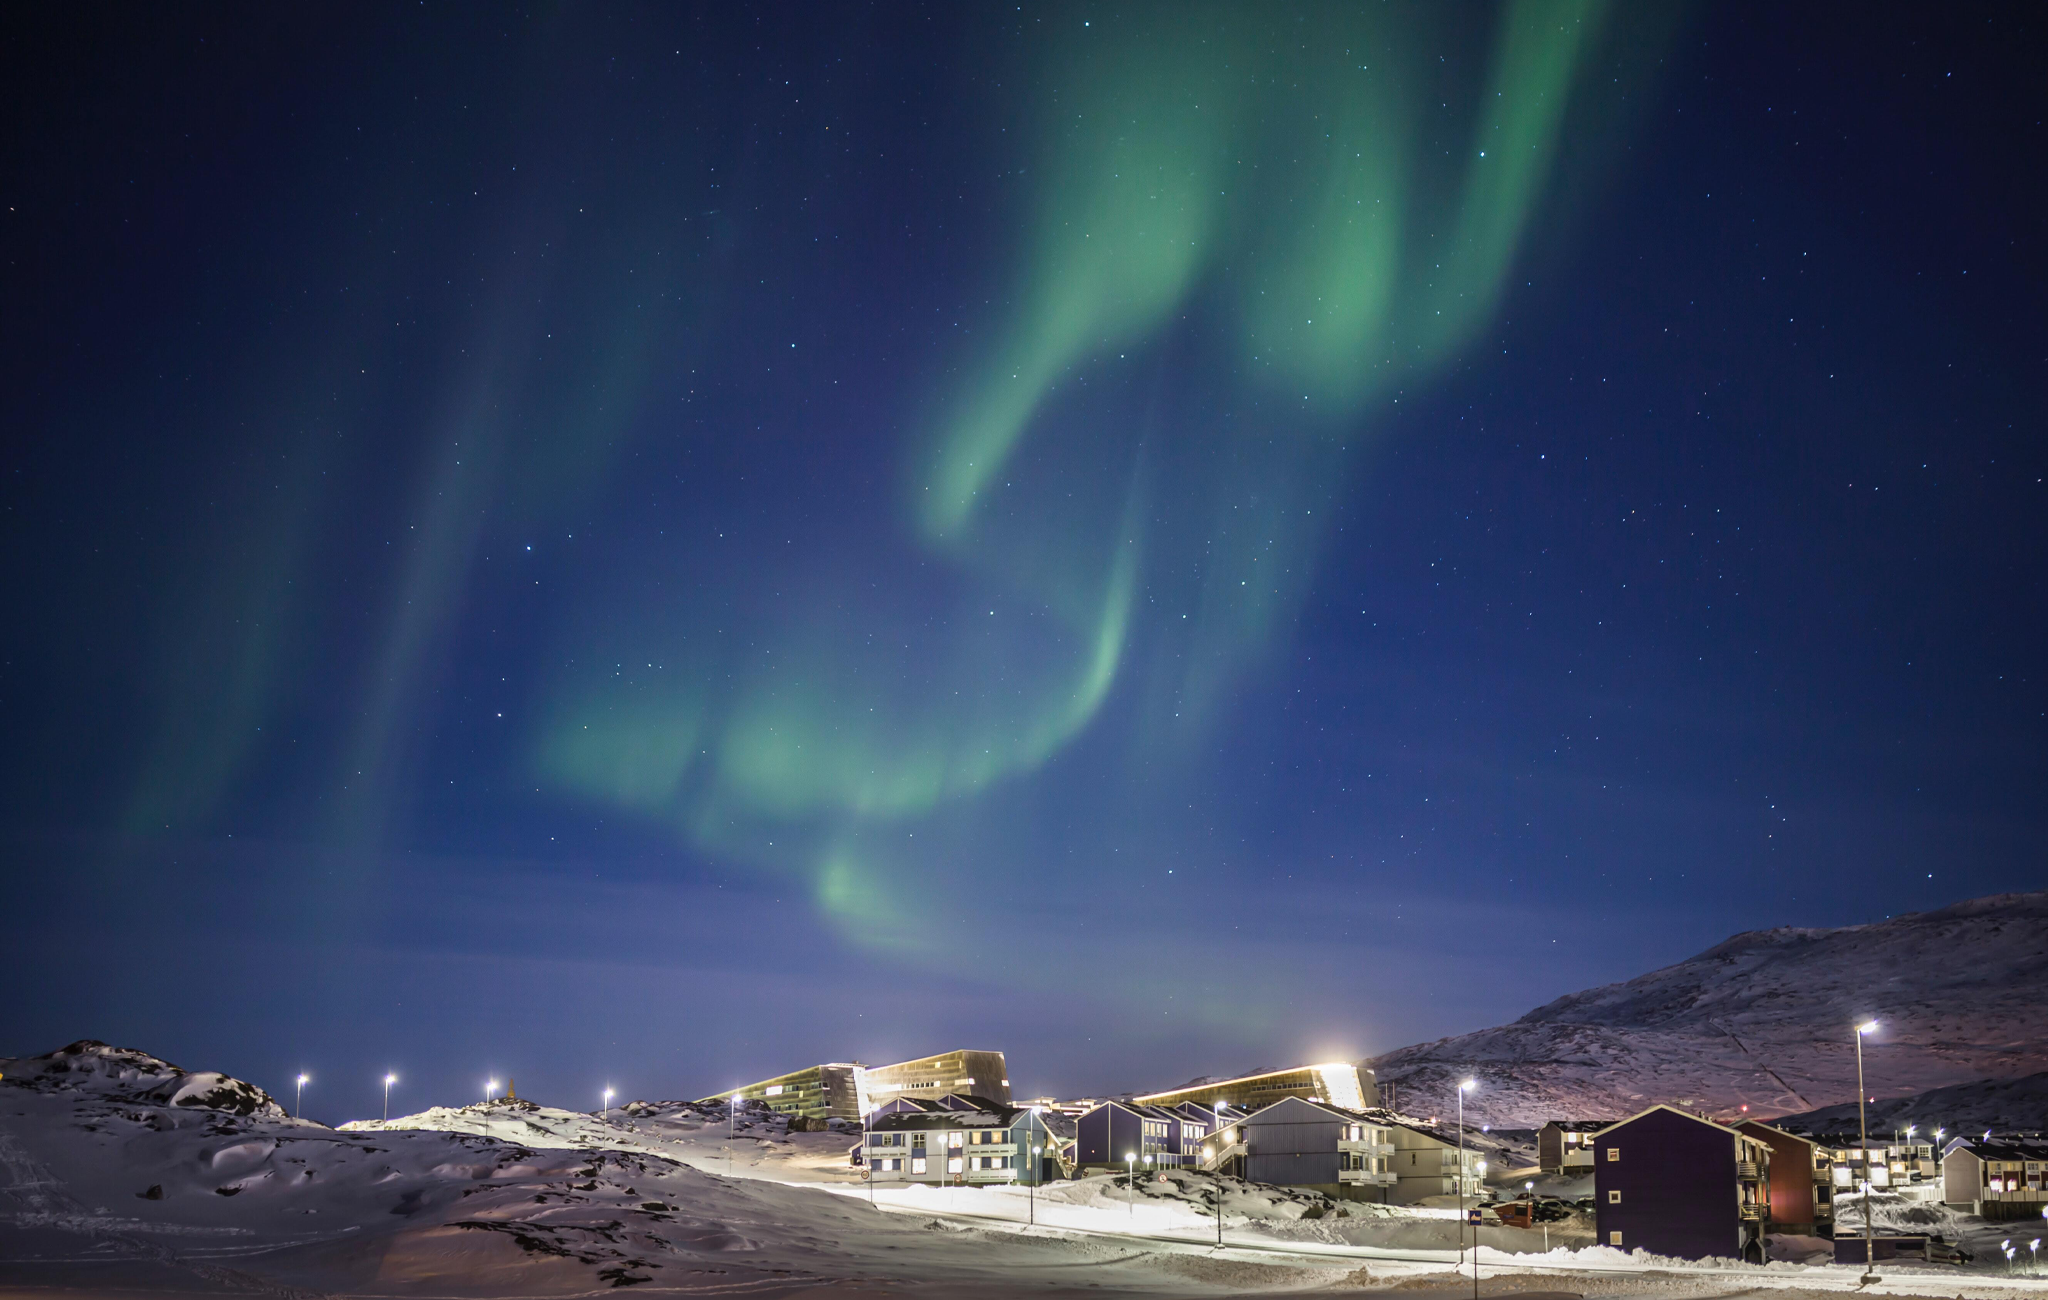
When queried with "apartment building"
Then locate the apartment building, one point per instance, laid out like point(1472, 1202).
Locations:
point(1802, 1192)
point(1152, 1137)
point(1427, 1161)
point(960, 1146)
point(1338, 1083)
point(1674, 1183)
point(1997, 1178)
point(1565, 1146)
point(848, 1090)
point(1300, 1143)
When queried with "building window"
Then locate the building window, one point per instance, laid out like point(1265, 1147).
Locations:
point(917, 1164)
point(1614, 1197)
point(1614, 1239)
point(1613, 1154)
point(953, 1164)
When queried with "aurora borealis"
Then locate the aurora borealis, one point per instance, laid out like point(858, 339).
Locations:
point(684, 542)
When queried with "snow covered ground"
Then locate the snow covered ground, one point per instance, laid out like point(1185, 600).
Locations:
point(121, 1174)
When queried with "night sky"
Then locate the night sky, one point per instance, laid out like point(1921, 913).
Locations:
point(654, 546)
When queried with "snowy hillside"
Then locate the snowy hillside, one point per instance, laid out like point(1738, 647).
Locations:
point(2000, 1105)
point(1766, 1019)
point(119, 1173)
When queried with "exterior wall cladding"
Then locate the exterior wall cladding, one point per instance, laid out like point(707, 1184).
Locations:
point(1676, 1179)
point(1294, 1155)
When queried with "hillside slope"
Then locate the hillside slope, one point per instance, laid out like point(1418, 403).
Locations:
point(1984, 1105)
point(1765, 1019)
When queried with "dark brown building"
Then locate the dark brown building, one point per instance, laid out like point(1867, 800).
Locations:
point(1802, 1197)
point(1675, 1184)
point(1565, 1146)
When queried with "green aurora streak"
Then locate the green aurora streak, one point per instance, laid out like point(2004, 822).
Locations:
point(1349, 232)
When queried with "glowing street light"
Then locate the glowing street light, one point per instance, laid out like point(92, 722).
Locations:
point(1863, 1132)
point(608, 1095)
point(298, 1103)
point(389, 1079)
point(490, 1091)
point(1463, 1088)
point(1131, 1181)
point(1221, 1143)
point(1031, 1184)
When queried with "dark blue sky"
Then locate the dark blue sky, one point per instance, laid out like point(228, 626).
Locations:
point(654, 546)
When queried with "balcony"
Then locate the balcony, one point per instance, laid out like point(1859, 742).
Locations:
point(1364, 1147)
point(1211, 1159)
point(1748, 1169)
point(1366, 1177)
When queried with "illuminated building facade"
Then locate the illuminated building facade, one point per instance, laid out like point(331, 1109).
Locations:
point(1339, 1084)
point(848, 1090)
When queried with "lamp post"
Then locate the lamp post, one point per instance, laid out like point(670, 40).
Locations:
point(1221, 1106)
point(490, 1091)
point(1131, 1182)
point(389, 1079)
point(1863, 1134)
point(867, 1153)
point(298, 1103)
point(1031, 1184)
point(1464, 1088)
point(608, 1095)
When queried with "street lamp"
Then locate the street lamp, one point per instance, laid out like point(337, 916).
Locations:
point(867, 1152)
point(1863, 1133)
point(1031, 1183)
point(298, 1104)
point(490, 1091)
point(1221, 1143)
point(1463, 1088)
point(389, 1079)
point(1131, 1182)
point(608, 1095)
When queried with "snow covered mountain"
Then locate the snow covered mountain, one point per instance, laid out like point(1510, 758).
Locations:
point(1997, 1105)
point(1766, 1020)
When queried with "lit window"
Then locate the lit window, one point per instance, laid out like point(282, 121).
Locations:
point(953, 1164)
point(1614, 1239)
point(1614, 1197)
point(917, 1164)
point(1613, 1154)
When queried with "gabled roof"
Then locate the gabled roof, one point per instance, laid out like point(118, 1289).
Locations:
point(2001, 1148)
point(1779, 1132)
point(1682, 1114)
point(1334, 1111)
point(1135, 1108)
point(912, 1121)
point(1577, 1125)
